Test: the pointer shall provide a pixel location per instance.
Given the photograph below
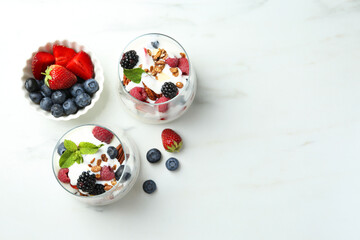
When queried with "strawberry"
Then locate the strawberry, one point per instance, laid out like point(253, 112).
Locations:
point(40, 62)
point(58, 77)
point(171, 140)
point(102, 134)
point(63, 54)
point(81, 65)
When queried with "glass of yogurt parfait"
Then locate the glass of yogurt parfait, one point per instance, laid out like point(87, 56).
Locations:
point(95, 165)
point(157, 78)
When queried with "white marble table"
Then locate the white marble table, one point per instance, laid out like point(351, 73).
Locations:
point(271, 141)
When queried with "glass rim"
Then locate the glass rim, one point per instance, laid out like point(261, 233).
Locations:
point(119, 67)
point(61, 183)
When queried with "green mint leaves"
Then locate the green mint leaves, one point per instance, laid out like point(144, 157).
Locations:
point(134, 74)
point(74, 153)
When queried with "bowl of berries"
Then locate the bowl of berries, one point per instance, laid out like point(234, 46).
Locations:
point(62, 80)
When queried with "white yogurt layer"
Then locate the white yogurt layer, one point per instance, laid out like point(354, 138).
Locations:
point(173, 50)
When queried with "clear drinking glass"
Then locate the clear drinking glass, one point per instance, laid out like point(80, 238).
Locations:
point(131, 166)
point(156, 113)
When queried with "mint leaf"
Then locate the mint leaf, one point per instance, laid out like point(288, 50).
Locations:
point(70, 145)
point(89, 148)
point(79, 158)
point(67, 159)
point(134, 74)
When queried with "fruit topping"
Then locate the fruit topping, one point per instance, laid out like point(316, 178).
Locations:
point(171, 140)
point(61, 149)
point(119, 172)
point(102, 134)
point(172, 164)
point(129, 59)
point(184, 66)
point(58, 77)
point(155, 44)
point(46, 103)
point(31, 85)
point(63, 175)
point(40, 62)
point(91, 86)
point(70, 106)
point(57, 110)
point(83, 100)
point(162, 107)
point(86, 181)
point(138, 93)
point(98, 189)
point(153, 155)
point(149, 186)
point(112, 152)
point(169, 90)
point(63, 54)
point(81, 65)
point(106, 173)
point(172, 62)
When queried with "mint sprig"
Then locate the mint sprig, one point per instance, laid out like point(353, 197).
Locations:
point(74, 153)
point(134, 74)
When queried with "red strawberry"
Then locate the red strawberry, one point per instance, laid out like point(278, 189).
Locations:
point(81, 65)
point(63, 175)
point(106, 173)
point(63, 54)
point(163, 107)
point(184, 66)
point(102, 134)
point(172, 62)
point(138, 93)
point(171, 140)
point(40, 62)
point(58, 77)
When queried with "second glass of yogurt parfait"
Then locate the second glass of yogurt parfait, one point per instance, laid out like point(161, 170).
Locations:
point(157, 78)
point(95, 165)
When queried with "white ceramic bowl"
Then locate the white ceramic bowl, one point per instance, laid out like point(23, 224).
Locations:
point(99, 77)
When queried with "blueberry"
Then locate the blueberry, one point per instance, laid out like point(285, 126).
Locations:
point(149, 186)
point(77, 89)
point(153, 155)
point(57, 110)
point(46, 103)
point(83, 100)
point(119, 172)
point(35, 97)
point(172, 164)
point(155, 44)
point(70, 106)
point(61, 149)
point(58, 97)
point(45, 90)
point(112, 152)
point(127, 175)
point(31, 85)
point(91, 86)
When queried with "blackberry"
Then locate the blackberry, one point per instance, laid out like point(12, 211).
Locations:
point(98, 189)
point(129, 59)
point(169, 90)
point(86, 181)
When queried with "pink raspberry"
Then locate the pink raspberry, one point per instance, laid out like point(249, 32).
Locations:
point(102, 134)
point(184, 66)
point(106, 173)
point(63, 175)
point(138, 93)
point(172, 62)
point(163, 107)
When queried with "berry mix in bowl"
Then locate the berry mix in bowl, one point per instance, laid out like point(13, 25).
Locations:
point(95, 165)
point(62, 80)
point(157, 79)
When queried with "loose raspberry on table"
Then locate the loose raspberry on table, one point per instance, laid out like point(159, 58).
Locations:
point(138, 93)
point(102, 134)
point(184, 66)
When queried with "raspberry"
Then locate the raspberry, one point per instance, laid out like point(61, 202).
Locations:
point(129, 59)
point(169, 90)
point(106, 173)
point(138, 93)
point(63, 175)
point(172, 62)
point(163, 107)
point(184, 66)
point(102, 134)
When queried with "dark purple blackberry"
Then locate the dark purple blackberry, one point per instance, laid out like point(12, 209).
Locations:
point(98, 189)
point(129, 59)
point(86, 182)
point(169, 90)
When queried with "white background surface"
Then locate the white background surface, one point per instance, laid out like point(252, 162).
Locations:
point(271, 141)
